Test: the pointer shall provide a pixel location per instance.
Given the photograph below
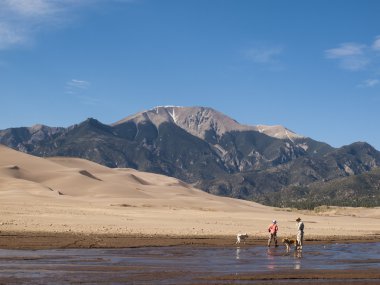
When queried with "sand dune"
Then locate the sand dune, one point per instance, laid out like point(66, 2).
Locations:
point(76, 195)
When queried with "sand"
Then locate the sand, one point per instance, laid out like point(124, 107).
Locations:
point(73, 198)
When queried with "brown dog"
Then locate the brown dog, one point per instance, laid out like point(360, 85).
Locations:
point(288, 243)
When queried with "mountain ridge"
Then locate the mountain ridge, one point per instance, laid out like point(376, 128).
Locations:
point(197, 120)
point(202, 147)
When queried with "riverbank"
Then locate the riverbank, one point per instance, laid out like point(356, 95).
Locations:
point(336, 277)
point(48, 240)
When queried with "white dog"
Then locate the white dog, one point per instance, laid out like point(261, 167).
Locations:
point(241, 238)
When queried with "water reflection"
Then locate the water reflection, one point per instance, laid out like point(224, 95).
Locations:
point(271, 260)
point(238, 253)
point(298, 254)
point(297, 259)
point(277, 258)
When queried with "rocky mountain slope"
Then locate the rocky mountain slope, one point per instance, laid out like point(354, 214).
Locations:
point(205, 148)
point(362, 190)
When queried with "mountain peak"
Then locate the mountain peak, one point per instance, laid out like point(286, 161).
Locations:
point(199, 120)
point(278, 131)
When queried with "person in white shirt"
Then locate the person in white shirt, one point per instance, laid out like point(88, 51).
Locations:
point(300, 228)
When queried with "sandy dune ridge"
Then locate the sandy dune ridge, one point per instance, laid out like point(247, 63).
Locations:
point(78, 196)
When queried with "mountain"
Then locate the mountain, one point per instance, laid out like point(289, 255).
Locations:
point(360, 190)
point(204, 148)
point(200, 121)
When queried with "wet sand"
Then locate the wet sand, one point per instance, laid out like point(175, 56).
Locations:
point(319, 277)
point(370, 276)
point(49, 240)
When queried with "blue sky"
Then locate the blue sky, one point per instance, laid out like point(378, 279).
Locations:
point(312, 66)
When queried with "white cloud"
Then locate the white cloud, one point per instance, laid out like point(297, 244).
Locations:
point(354, 63)
point(359, 57)
point(76, 87)
point(10, 36)
point(80, 84)
point(31, 8)
point(376, 44)
point(351, 56)
point(369, 83)
point(345, 50)
point(21, 20)
point(263, 54)
point(79, 89)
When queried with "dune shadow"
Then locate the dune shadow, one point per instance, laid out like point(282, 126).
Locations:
point(140, 180)
point(89, 175)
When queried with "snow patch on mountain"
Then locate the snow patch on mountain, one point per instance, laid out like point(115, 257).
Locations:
point(173, 116)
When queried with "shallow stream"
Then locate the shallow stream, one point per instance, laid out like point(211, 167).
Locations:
point(175, 265)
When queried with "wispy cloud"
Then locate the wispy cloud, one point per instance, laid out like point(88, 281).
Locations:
point(351, 56)
point(345, 50)
point(10, 36)
point(263, 55)
point(81, 84)
point(362, 57)
point(369, 83)
point(74, 86)
point(354, 63)
point(376, 44)
point(31, 8)
point(21, 20)
point(355, 56)
point(80, 89)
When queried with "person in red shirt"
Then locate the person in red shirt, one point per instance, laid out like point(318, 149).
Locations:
point(273, 229)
